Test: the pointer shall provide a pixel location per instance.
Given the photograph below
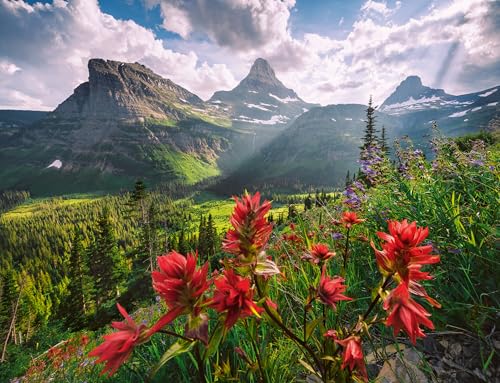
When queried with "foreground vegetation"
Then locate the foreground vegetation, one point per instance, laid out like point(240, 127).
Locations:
point(455, 195)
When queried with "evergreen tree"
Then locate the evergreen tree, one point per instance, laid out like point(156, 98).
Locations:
point(370, 137)
point(347, 179)
point(211, 236)
point(383, 142)
point(107, 264)
point(183, 246)
point(80, 284)
point(308, 202)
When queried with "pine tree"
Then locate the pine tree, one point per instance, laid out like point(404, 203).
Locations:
point(383, 142)
point(107, 264)
point(370, 137)
point(308, 202)
point(80, 284)
point(347, 179)
point(211, 236)
point(182, 246)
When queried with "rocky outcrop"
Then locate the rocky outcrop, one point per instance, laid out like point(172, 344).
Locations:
point(126, 91)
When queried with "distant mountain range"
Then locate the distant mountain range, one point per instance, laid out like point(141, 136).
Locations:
point(126, 122)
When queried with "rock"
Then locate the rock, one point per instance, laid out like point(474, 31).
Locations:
point(455, 349)
point(402, 370)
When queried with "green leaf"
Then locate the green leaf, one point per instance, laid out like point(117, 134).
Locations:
point(176, 349)
point(310, 326)
point(308, 367)
point(215, 340)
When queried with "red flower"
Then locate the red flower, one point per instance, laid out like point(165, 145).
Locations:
point(234, 295)
point(118, 346)
point(405, 313)
point(401, 254)
point(319, 253)
point(331, 290)
point(251, 229)
point(350, 218)
point(180, 283)
point(353, 355)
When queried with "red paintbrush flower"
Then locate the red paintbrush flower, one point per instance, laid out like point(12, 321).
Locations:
point(401, 255)
point(234, 295)
point(350, 218)
point(406, 314)
point(319, 253)
point(353, 355)
point(118, 346)
point(181, 284)
point(330, 290)
point(251, 229)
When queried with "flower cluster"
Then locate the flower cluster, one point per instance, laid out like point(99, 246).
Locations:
point(372, 164)
point(241, 291)
point(401, 258)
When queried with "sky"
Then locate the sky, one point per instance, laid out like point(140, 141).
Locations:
point(328, 51)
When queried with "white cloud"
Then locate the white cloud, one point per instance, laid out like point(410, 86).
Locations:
point(341, 21)
point(239, 24)
point(52, 43)
point(378, 7)
point(453, 46)
point(8, 68)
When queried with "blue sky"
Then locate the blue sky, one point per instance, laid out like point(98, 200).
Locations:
point(328, 51)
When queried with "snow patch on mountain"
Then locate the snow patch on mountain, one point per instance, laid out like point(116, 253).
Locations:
point(285, 100)
point(257, 107)
point(55, 164)
point(459, 114)
point(276, 119)
point(492, 103)
point(411, 101)
point(475, 109)
point(488, 93)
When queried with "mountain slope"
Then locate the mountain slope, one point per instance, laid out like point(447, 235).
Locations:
point(317, 149)
point(418, 106)
point(124, 123)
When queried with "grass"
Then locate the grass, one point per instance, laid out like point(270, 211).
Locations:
point(38, 206)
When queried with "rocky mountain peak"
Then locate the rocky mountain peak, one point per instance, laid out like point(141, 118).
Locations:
point(119, 90)
point(262, 71)
point(411, 90)
point(263, 78)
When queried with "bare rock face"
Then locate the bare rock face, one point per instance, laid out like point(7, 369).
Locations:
point(126, 91)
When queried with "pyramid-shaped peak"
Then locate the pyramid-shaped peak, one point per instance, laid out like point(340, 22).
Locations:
point(410, 90)
point(261, 68)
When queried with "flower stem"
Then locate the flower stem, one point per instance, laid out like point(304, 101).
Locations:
point(257, 355)
point(199, 360)
point(289, 333)
point(346, 250)
point(176, 335)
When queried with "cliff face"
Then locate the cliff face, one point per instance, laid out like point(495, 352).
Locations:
point(126, 91)
point(124, 123)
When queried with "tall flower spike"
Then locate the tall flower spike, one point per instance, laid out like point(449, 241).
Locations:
point(251, 231)
point(406, 314)
point(181, 284)
point(234, 296)
point(353, 355)
point(330, 290)
point(118, 346)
